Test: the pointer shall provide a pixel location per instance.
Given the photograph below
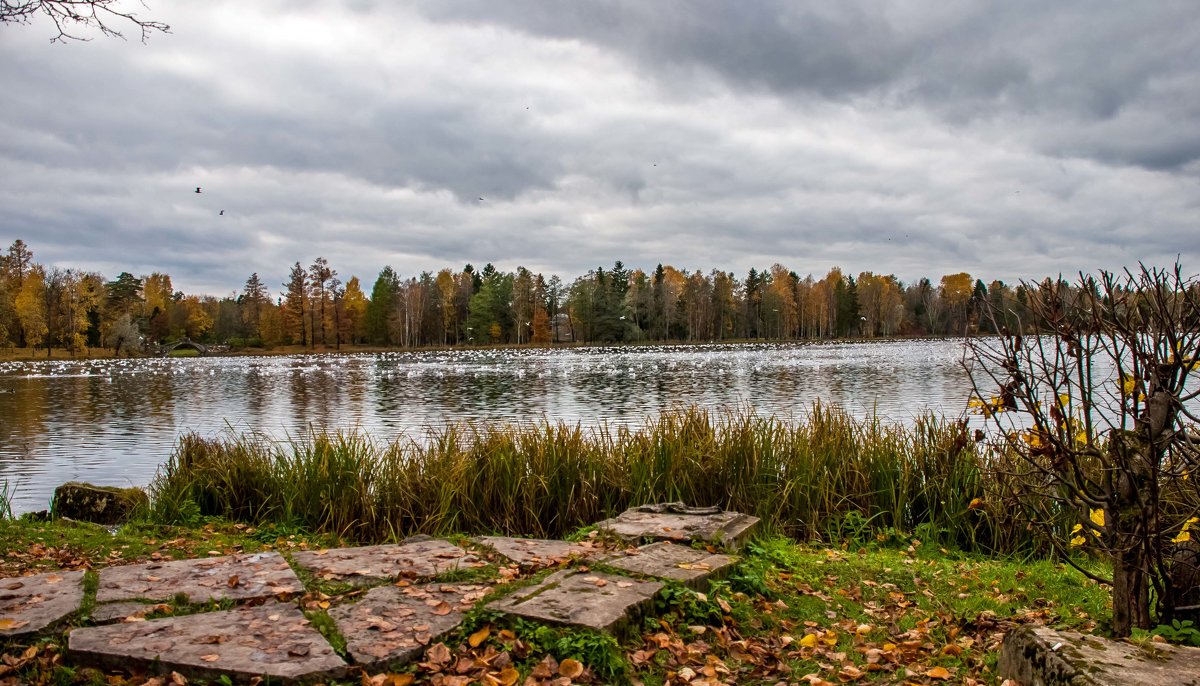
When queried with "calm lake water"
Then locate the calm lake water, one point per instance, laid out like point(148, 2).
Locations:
point(115, 421)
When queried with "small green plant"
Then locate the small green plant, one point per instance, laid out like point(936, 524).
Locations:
point(1181, 632)
point(692, 607)
point(853, 528)
point(600, 652)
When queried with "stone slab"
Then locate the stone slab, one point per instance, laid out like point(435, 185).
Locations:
point(540, 552)
point(369, 564)
point(1038, 656)
point(125, 610)
point(29, 604)
point(602, 602)
point(391, 626)
point(236, 577)
point(682, 524)
point(273, 640)
point(666, 560)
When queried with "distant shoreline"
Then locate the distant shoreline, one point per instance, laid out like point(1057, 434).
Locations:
point(39, 355)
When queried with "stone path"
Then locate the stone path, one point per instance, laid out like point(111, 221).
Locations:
point(233, 577)
point(274, 640)
point(385, 626)
point(370, 564)
point(582, 599)
point(393, 625)
point(540, 552)
point(666, 560)
point(32, 603)
point(682, 524)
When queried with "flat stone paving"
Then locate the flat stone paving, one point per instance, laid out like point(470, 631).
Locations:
point(236, 577)
point(388, 626)
point(393, 626)
point(602, 602)
point(29, 604)
point(540, 552)
point(126, 610)
point(679, 523)
point(273, 640)
point(369, 564)
point(666, 560)
point(1039, 655)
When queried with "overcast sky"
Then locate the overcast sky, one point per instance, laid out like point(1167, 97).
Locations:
point(1011, 139)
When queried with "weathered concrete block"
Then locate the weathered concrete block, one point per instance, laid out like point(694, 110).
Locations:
point(666, 560)
point(602, 602)
point(393, 626)
point(272, 640)
point(1038, 656)
point(29, 604)
point(682, 524)
point(98, 504)
point(369, 564)
point(238, 577)
point(540, 552)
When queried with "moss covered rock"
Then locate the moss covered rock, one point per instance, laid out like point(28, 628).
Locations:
point(99, 504)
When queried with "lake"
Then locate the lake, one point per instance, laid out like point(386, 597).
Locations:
point(114, 422)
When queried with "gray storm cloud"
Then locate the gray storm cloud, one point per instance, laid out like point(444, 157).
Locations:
point(1005, 139)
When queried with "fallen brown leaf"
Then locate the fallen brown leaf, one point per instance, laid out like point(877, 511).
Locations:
point(570, 668)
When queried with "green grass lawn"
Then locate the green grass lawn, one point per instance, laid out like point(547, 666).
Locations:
point(789, 613)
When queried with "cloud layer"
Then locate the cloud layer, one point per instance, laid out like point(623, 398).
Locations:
point(1005, 139)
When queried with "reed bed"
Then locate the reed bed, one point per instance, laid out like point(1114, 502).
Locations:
point(826, 475)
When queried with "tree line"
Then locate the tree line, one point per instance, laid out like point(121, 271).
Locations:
point(51, 307)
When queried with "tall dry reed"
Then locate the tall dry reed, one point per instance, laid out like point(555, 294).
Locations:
point(827, 474)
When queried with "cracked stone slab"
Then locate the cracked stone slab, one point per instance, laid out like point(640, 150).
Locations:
point(391, 625)
point(681, 524)
point(666, 560)
point(236, 577)
point(29, 604)
point(273, 640)
point(1039, 655)
point(603, 602)
point(540, 552)
point(368, 564)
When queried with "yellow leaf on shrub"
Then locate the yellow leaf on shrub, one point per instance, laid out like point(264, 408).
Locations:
point(1097, 517)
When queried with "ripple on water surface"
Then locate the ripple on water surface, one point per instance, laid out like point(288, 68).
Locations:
point(114, 421)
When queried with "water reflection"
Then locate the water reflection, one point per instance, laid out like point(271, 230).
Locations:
point(113, 422)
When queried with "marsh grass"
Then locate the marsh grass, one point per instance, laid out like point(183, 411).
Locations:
point(7, 492)
point(826, 475)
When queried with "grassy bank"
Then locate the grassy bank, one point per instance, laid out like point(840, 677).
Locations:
point(828, 476)
point(904, 611)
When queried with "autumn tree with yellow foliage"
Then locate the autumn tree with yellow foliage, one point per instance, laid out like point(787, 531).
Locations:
point(1094, 417)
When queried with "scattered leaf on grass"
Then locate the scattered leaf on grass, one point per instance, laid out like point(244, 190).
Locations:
point(938, 673)
point(479, 636)
point(570, 668)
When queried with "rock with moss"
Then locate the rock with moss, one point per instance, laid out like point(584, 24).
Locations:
point(1040, 656)
point(99, 504)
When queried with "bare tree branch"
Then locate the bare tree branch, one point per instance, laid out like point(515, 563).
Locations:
point(72, 15)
